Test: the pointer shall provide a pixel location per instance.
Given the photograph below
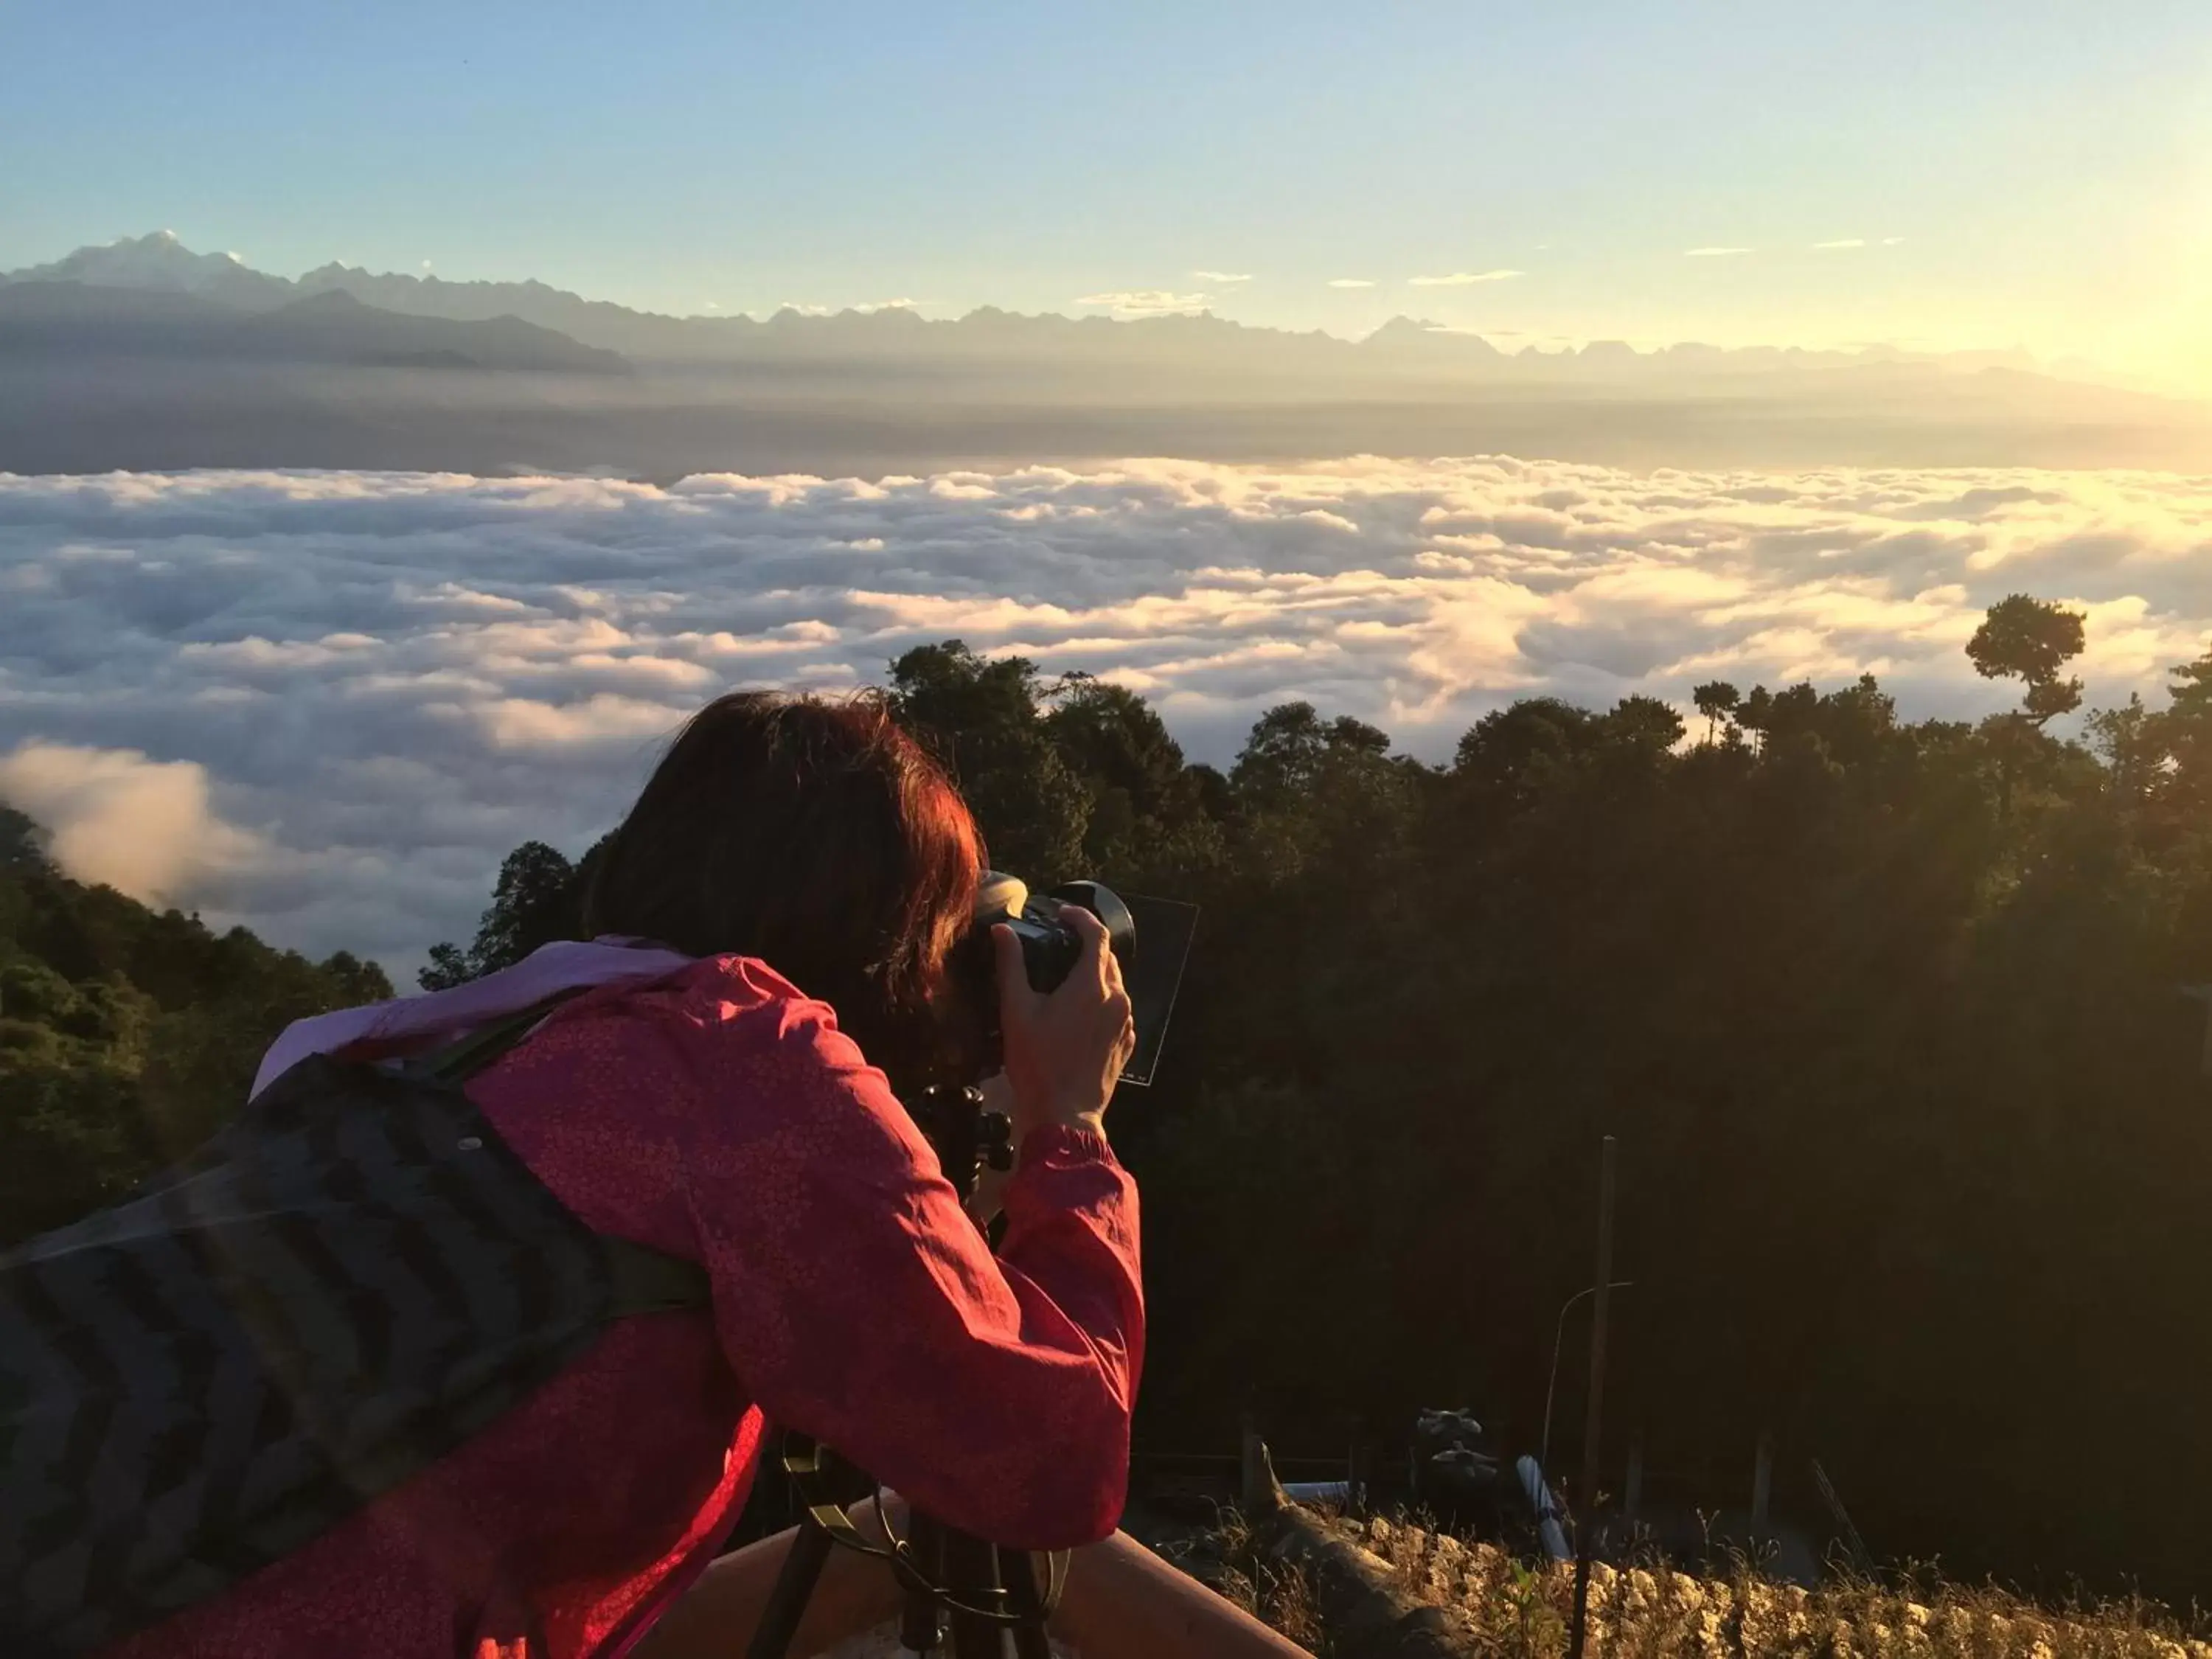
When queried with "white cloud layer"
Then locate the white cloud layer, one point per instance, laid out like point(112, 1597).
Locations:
point(1463, 278)
point(1351, 282)
point(141, 826)
point(325, 704)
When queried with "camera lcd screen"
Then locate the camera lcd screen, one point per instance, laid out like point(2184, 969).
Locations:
point(1164, 929)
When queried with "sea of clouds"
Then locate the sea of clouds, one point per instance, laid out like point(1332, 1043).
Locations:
point(325, 704)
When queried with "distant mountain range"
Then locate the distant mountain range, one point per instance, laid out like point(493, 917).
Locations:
point(85, 322)
point(144, 354)
point(1405, 348)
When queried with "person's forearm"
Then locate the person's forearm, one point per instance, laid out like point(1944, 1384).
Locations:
point(997, 1393)
point(1122, 1601)
point(1072, 1227)
point(715, 1618)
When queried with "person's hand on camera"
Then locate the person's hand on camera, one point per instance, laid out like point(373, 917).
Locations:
point(1064, 1052)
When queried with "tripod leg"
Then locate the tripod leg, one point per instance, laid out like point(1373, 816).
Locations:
point(919, 1631)
point(787, 1603)
point(1018, 1568)
point(972, 1575)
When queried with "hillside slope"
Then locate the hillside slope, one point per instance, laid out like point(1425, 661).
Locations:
point(126, 1035)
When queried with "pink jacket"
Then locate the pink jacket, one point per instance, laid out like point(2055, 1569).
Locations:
point(710, 1109)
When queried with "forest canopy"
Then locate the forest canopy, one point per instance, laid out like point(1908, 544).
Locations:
point(1888, 1016)
point(126, 1035)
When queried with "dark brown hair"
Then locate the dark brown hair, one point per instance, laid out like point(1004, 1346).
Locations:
point(814, 834)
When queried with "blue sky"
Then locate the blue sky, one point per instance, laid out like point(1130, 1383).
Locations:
point(2032, 173)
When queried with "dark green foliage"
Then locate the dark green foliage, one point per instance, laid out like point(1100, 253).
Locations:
point(2030, 640)
point(983, 721)
point(22, 843)
point(1716, 700)
point(449, 966)
point(127, 1035)
point(538, 899)
point(1512, 749)
point(1150, 818)
point(1912, 1137)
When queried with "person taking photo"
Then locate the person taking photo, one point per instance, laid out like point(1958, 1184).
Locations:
point(771, 930)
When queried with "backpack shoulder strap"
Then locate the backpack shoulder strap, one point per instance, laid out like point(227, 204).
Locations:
point(644, 1279)
point(462, 1060)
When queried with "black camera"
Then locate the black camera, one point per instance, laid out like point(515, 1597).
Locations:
point(1050, 949)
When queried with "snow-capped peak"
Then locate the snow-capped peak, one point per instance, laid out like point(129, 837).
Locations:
point(158, 260)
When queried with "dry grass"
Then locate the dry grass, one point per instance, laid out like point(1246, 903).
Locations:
point(1654, 1612)
point(1229, 1561)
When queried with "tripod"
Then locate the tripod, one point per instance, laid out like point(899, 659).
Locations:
point(982, 1591)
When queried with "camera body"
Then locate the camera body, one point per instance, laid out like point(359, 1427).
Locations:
point(949, 1110)
point(968, 1015)
point(1050, 947)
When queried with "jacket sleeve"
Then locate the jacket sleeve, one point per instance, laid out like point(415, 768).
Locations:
point(858, 1305)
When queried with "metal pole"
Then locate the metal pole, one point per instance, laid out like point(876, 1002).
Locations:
point(1559, 1336)
point(1586, 1509)
point(1355, 1465)
point(1762, 1487)
point(1558, 1332)
point(1860, 1558)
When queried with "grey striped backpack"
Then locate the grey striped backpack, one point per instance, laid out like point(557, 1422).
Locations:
point(339, 1289)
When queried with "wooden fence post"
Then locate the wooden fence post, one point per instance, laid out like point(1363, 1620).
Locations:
point(1253, 1469)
